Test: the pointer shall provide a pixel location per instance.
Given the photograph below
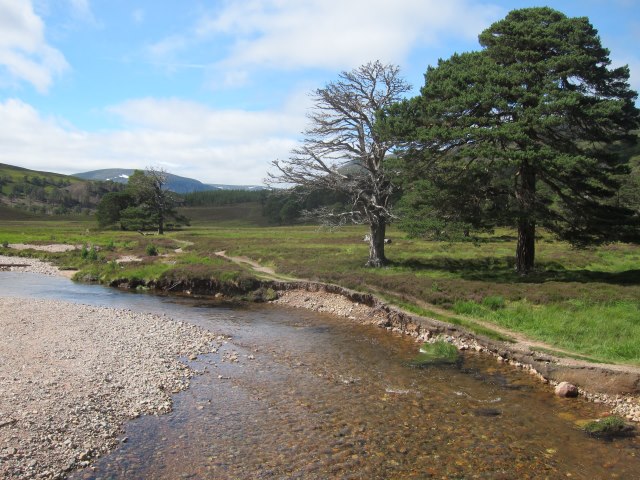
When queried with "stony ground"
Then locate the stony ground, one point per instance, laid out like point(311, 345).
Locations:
point(71, 375)
point(56, 247)
point(30, 265)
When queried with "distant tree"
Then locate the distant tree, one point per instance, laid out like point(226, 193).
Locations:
point(153, 202)
point(341, 151)
point(531, 116)
point(109, 211)
point(211, 198)
point(135, 218)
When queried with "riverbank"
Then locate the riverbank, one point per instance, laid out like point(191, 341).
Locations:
point(71, 375)
point(101, 421)
point(616, 386)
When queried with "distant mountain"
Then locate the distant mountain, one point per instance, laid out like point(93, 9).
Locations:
point(175, 183)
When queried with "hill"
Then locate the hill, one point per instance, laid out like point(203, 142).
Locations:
point(48, 193)
point(175, 183)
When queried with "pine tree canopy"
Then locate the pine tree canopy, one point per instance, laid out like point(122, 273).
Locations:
point(539, 104)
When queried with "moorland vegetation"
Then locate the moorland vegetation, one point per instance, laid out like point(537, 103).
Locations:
point(511, 197)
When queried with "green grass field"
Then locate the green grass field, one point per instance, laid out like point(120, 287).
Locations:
point(584, 301)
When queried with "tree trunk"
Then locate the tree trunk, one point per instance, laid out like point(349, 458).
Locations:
point(376, 244)
point(526, 196)
point(526, 248)
point(161, 225)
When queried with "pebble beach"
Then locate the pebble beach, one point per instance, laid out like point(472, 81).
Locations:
point(71, 375)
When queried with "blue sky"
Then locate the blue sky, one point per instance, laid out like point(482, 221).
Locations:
point(216, 90)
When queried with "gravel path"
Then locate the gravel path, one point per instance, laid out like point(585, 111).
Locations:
point(71, 375)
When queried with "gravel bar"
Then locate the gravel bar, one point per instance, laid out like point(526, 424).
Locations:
point(71, 375)
point(32, 265)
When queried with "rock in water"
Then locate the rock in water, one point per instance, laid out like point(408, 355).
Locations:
point(566, 390)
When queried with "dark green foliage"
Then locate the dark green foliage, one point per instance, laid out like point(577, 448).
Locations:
point(528, 123)
point(90, 254)
point(152, 250)
point(439, 204)
point(110, 208)
point(135, 218)
point(629, 194)
point(216, 198)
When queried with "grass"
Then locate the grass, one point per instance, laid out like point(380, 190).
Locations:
point(584, 301)
point(466, 323)
point(436, 353)
point(597, 329)
point(608, 427)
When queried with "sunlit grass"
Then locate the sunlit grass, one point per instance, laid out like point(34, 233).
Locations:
point(605, 330)
point(586, 301)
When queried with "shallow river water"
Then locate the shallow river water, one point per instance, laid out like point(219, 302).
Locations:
point(313, 397)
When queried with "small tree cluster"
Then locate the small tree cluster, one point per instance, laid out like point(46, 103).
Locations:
point(143, 205)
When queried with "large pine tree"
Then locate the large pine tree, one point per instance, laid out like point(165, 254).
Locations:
point(542, 105)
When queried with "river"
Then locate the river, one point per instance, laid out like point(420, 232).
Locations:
point(314, 396)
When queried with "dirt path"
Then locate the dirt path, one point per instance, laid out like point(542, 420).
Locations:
point(267, 272)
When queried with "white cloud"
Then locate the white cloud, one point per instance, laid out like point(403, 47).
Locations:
point(338, 34)
point(138, 16)
point(25, 55)
point(332, 34)
point(167, 47)
point(175, 115)
point(82, 10)
point(214, 146)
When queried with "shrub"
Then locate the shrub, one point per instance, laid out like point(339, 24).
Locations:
point(609, 427)
point(467, 308)
point(493, 303)
point(90, 254)
point(152, 250)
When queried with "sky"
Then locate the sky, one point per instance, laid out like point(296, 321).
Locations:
point(215, 90)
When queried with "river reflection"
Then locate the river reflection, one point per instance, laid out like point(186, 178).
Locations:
point(312, 396)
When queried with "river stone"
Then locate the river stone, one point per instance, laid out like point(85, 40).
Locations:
point(487, 412)
point(566, 390)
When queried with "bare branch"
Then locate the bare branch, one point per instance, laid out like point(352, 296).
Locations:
point(341, 153)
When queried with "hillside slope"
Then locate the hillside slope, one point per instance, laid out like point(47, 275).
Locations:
point(49, 193)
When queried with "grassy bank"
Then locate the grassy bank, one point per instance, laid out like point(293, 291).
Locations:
point(586, 301)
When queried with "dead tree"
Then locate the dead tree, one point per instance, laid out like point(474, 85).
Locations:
point(342, 152)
